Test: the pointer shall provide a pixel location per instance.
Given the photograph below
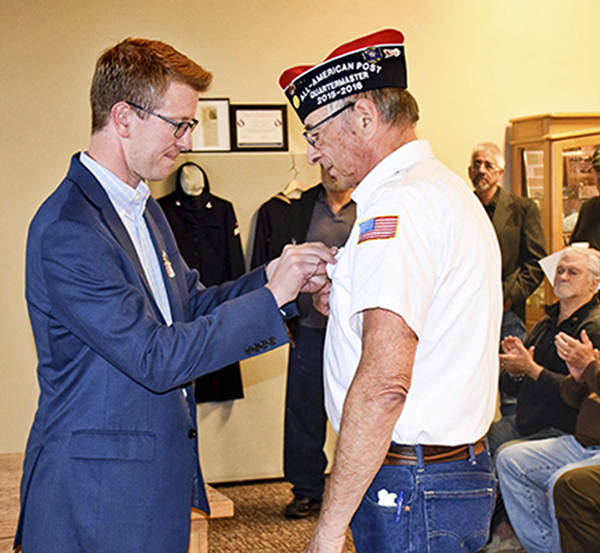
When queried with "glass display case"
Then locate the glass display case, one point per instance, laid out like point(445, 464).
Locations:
point(551, 164)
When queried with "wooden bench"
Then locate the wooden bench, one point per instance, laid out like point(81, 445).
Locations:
point(11, 466)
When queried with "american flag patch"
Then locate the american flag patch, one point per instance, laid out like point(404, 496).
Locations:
point(378, 228)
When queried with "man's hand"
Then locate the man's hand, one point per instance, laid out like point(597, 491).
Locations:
point(517, 360)
point(577, 355)
point(321, 298)
point(298, 269)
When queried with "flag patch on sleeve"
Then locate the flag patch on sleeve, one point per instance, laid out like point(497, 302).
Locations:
point(378, 228)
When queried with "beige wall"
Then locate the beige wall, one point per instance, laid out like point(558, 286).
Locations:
point(472, 64)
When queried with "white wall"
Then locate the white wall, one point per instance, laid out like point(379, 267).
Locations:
point(472, 64)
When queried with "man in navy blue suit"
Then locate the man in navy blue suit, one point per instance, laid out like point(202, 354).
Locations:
point(122, 326)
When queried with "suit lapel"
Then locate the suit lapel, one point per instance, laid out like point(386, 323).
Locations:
point(96, 194)
point(503, 210)
point(153, 220)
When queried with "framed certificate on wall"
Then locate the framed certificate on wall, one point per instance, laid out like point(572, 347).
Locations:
point(258, 127)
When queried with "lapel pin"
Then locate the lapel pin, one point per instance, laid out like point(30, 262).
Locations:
point(168, 265)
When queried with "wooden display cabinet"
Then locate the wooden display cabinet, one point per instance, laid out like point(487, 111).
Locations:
point(551, 164)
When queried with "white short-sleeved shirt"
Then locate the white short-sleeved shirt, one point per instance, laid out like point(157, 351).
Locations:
point(422, 247)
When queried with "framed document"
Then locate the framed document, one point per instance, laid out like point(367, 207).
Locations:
point(212, 133)
point(259, 127)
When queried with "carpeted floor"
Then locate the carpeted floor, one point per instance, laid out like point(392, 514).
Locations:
point(258, 525)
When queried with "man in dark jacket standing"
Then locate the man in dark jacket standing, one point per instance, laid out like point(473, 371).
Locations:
point(587, 227)
point(518, 225)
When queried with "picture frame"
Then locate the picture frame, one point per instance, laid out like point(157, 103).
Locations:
point(258, 127)
point(213, 131)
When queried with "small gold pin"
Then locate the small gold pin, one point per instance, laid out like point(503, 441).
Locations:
point(168, 265)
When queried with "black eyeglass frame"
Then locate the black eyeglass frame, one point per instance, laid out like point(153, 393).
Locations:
point(307, 132)
point(181, 127)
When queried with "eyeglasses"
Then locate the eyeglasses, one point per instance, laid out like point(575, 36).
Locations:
point(311, 138)
point(181, 127)
point(487, 164)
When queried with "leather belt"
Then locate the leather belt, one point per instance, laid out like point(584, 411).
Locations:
point(399, 454)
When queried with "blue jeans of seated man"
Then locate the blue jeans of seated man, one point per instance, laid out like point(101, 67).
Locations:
point(512, 325)
point(505, 430)
point(304, 460)
point(447, 508)
point(502, 433)
point(527, 472)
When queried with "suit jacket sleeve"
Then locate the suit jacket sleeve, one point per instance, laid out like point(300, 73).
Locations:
point(272, 232)
point(573, 392)
point(528, 275)
point(92, 296)
point(591, 376)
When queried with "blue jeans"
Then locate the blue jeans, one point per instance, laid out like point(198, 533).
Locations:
point(304, 460)
point(527, 472)
point(505, 430)
point(447, 508)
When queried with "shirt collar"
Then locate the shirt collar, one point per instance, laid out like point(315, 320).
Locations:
point(399, 160)
point(554, 310)
point(494, 199)
point(127, 201)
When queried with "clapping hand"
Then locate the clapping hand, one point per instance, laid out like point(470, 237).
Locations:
point(576, 354)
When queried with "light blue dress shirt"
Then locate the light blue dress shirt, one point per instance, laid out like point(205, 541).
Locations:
point(130, 204)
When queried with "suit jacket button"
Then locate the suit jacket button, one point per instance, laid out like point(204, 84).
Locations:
point(192, 433)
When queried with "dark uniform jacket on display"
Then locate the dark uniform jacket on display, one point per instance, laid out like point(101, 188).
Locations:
point(283, 223)
point(286, 225)
point(518, 226)
point(587, 228)
point(271, 229)
point(539, 403)
point(208, 237)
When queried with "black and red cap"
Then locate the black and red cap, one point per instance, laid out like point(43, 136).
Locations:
point(367, 63)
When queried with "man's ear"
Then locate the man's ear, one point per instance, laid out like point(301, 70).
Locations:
point(121, 115)
point(367, 117)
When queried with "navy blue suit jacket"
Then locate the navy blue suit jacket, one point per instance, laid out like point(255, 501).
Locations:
point(112, 463)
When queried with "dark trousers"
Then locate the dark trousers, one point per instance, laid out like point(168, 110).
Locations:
point(577, 505)
point(304, 461)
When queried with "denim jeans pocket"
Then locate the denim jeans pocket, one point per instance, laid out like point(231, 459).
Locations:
point(382, 527)
point(457, 520)
point(378, 528)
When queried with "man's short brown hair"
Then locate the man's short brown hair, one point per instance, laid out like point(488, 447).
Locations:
point(140, 71)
